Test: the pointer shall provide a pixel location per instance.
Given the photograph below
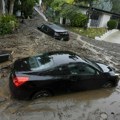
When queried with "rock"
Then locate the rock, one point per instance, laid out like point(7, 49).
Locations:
point(104, 116)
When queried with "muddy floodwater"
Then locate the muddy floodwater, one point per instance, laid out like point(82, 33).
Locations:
point(101, 104)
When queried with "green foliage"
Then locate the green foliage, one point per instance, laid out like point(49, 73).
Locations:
point(116, 6)
point(57, 4)
point(78, 20)
point(89, 32)
point(26, 7)
point(47, 2)
point(103, 4)
point(111, 24)
point(7, 24)
point(69, 1)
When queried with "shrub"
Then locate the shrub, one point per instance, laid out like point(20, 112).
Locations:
point(78, 20)
point(7, 24)
point(111, 24)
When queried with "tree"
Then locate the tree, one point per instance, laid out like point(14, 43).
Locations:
point(103, 4)
point(56, 4)
point(11, 7)
point(88, 2)
point(2, 7)
point(27, 7)
point(116, 6)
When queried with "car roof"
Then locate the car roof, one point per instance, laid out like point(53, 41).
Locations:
point(64, 57)
point(51, 59)
point(55, 27)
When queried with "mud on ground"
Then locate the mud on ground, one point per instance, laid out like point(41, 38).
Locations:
point(102, 104)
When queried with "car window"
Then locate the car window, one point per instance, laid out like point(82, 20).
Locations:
point(61, 70)
point(40, 63)
point(44, 28)
point(50, 31)
point(82, 69)
point(74, 69)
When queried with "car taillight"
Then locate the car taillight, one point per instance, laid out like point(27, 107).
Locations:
point(18, 81)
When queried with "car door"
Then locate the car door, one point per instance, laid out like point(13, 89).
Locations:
point(60, 76)
point(44, 29)
point(50, 32)
point(84, 76)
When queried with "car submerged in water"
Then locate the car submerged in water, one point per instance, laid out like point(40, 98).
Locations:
point(54, 31)
point(57, 71)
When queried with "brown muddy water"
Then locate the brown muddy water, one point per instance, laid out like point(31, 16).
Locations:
point(101, 104)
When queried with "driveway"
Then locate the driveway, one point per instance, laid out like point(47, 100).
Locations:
point(114, 38)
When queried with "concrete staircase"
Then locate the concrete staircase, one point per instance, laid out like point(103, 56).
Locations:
point(106, 34)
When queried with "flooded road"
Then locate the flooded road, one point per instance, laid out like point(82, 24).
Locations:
point(101, 104)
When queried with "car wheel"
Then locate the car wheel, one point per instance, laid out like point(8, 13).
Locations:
point(108, 84)
point(41, 94)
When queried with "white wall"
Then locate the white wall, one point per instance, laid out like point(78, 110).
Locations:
point(103, 19)
point(83, 11)
point(61, 20)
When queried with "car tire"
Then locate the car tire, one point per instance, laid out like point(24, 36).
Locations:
point(108, 85)
point(41, 94)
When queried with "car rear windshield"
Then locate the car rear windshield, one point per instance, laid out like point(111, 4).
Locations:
point(34, 63)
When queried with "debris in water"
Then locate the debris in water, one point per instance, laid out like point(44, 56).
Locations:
point(104, 116)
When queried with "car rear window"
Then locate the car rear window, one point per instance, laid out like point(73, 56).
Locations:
point(33, 63)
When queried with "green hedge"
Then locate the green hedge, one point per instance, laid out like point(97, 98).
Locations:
point(111, 24)
point(8, 24)
point(78, 20)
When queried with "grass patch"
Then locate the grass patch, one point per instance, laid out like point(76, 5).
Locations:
point(89, 32)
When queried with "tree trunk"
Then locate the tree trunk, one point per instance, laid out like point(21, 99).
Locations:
point(11, 7)
point(2, 7)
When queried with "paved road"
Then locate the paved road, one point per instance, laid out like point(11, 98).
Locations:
point(114, 38)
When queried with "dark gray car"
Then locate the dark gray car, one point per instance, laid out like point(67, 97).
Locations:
point(54, 31)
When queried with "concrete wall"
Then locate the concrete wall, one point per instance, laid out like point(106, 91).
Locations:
point(103, 19)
